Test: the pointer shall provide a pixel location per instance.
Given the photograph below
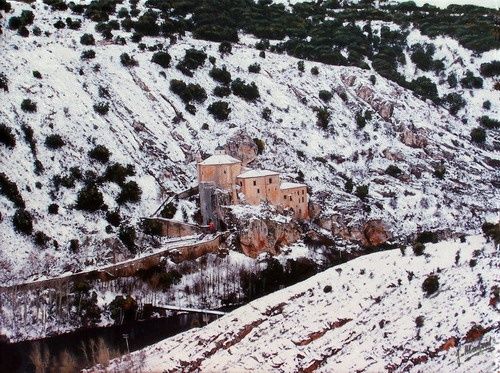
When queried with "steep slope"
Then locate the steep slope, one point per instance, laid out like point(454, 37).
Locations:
point(370, 314)
point(148, 127)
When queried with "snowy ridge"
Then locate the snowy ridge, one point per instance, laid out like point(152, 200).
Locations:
point(361, 316)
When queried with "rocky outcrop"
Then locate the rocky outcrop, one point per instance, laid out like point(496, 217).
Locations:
point(382, 107)
point(371, 233)
point(376, 233)
point(241, 146)
point(413, 138)
point(267, 235)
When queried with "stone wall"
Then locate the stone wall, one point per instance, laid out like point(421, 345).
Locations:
point(175, 228)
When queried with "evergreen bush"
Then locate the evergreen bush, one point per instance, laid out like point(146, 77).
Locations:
point(7, 136)
point(219, 109)
point(89, 198)
point(23, 221)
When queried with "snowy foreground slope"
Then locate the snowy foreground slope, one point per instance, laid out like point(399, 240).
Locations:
point(366, 321)
point(148, 127)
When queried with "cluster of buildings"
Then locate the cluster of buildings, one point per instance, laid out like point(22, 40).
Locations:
point(223, 178)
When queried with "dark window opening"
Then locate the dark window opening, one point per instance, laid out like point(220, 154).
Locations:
point(258, 191)
point(270, 180)
point(254, 183)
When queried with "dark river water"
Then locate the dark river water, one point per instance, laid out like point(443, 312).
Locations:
point(15, 357)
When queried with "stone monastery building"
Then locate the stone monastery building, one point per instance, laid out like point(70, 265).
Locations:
point(246, 186)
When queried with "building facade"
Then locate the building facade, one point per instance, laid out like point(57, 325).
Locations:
point(242, 185)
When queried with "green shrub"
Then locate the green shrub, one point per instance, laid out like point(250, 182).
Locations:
point(152, 227)
point(430, 284)
point(23, 221)
point(360, 120)
point(300, 66)
point(362, 191)
point(393, 170)
point(418, 248)
point(248, 92)
point(427, 236)
point(189, 92)
point(471, 82)
point(41, 239)
point(440, 171)
point(117, 173)
point(101, 108)
point(193, 59)
point(37, 74)
point(28, 106)
point(100, 153)
point(168, 211)
point(452, 80)
point(489, 123)
point(322, 116)
point(487, 105)
point(131, 192)
point(114, 218)
point(424, 87)
point(225, 48)
point(216, 33)
point(221, 91)
point(53, 209)
point(490, 69)
point(128, 236)
point(54, 141)
point(254, 68)
point(314, 70)
point(266, 114)
point(220, 75)
point(4, 82)
point(127, 60)
point(59, 24)
point(261, 145)
point(478, 135)
point(7, 136)
point(325, 95)
point(89, 198)
point(88, 54)
point(349, 185)
point(10, 191)
point(87, 39)
point(219, 109)
point(161, 58)
point(454, 102)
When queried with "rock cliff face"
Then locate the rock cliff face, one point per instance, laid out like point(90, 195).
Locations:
point(260, 229)
point(267, 235)
point(370, 233)
point(241, 146)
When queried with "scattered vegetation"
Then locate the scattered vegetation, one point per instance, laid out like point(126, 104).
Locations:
point(362, 191)
point(7, 136)
point(9, 189)
point(248, 92)
point(89, 198)
point(54, 142)
point(219, 109)
point(100, 153)
point(188, 92)
point(101, 108)
point(478, 135)
point(430, 284)
point(28, 106)
point(161, 58)
point(131, 192)
point(23, 221)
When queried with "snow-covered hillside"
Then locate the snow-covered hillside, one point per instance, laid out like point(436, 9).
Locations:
point(370, 314)
point(148, 127)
